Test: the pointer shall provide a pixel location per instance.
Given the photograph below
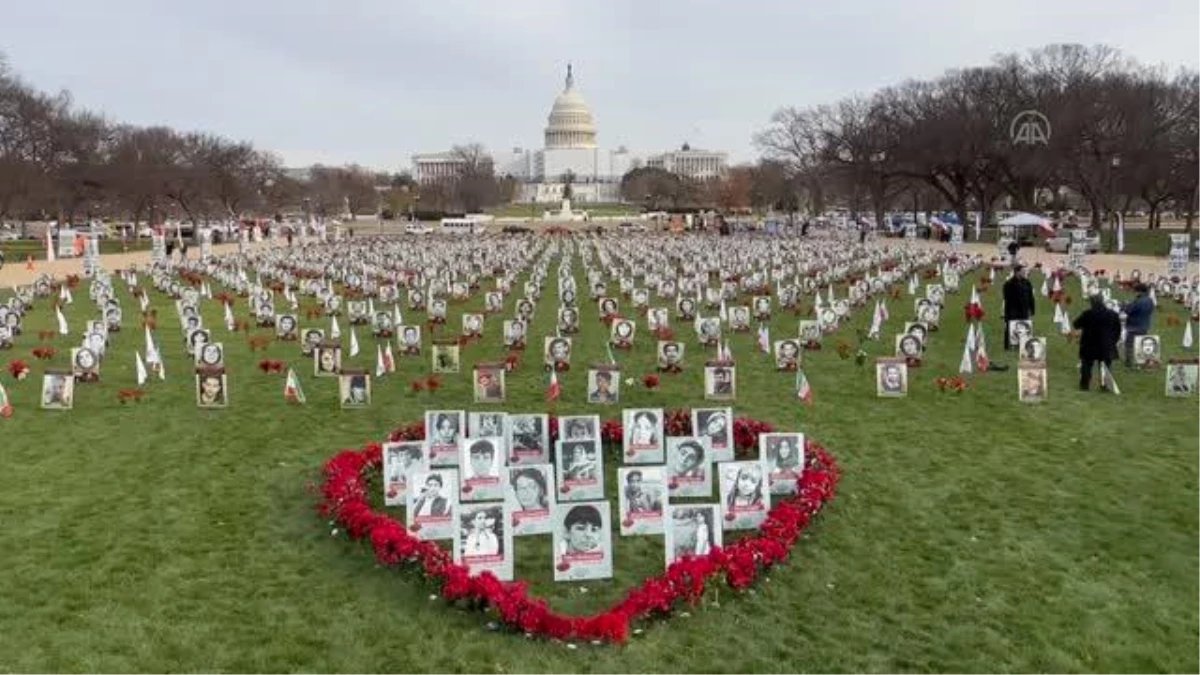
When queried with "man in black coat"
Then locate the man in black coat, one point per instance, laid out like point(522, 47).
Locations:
point(1018, 300)
point(1100, 330)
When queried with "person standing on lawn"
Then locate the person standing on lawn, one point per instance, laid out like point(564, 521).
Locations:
point(1018, 300)
point(1100, 330)
point(1138, 314)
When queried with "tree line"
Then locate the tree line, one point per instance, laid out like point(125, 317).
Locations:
point(59, 161)
point(1121, 136)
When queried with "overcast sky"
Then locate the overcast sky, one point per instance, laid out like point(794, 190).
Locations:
point(374, 81)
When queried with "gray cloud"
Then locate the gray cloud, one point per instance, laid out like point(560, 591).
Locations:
point(374, 81)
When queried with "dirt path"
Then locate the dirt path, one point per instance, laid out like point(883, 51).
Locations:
point(1105, 261)
point(18, 274)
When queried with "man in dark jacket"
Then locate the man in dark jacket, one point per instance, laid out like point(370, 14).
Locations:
point(1137, 319)
point(1018, 300)
point(1100, 330)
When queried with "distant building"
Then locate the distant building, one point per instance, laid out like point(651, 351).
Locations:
point(692, 163)
point(570, 147)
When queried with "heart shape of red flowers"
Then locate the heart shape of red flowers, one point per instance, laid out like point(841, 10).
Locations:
point(345, 501)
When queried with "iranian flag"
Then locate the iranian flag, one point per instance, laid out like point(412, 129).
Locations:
point(6, 409)
point(803, 390)
point(292, 391)
point(555, 389)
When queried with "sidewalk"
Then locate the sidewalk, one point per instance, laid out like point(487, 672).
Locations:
point(1110, 262)
point(15, 272)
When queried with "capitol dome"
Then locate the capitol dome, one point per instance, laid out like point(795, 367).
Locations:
point(570, 123)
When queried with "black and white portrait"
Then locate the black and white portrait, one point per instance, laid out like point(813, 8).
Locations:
point(568, 319)
point(445, 358)
point(528, 438)
point(489, 384)
point(354, 390)
point(1033, 349)
point(621, 333)
point(286, 327)
point(399, 461)
point(327, 360)
point(715, 424)
point(689, 459)
point(58, 391)
point(431, 499)
point(212, 389)
point(472, 325)
point(557, 350)
point(409, 340)
point(670, 355)
point(481, 463)
point(313, 337)
point(908, 346)
point(514, 333)
point(442, 431)
point(1147, 350)
point(484, 540)
point(720, 382)
point(782, 455)
point(787, 354)
point(891, 377)
point(691, 530)
point(642, 500)
point(582, 540)
point(604, 386)
point(1018, 330)
point(1182, 378)
point(745, 495)
point(643, 442)
point(211, 355)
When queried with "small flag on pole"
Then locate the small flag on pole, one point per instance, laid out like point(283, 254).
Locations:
point(142, 375)
point(1187, 336)
point(764, 338)
point(292, 391)
point(229, 322)
point(981, 357)
point(803, 390)
point(1107, 380)
point(335, 331)
point(62, 320)
point(6, 409)
point(966, 365)
point(555, 389)
point(389, 360)
point(380, 367)
point(353, 342)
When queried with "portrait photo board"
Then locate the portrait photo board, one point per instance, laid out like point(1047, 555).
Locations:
point(717, 425)
point(400, 461)
point(493, 551)
point(528, 438)
point(531, 496)
point(481, 468)
point(690, 530)
point(442, 431)
point(579, 465)
point(644, 436)
point(641, 511)
point(744, 493)
point(689, 466)
point(582, 541)
point(432, 496)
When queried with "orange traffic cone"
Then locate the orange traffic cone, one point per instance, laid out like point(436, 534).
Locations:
point(29, 263)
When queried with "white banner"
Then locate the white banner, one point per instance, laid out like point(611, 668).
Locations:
point(66, 243)
point(1177, 259)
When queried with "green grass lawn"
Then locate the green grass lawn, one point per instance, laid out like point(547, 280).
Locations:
point(536, 211)
point(970, 533)
point(1137, 241)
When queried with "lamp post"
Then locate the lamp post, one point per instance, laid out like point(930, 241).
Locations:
point(1114, 163)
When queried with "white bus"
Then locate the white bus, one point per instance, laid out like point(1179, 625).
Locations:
point(461, 226)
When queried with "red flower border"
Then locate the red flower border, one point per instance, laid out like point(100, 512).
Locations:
point(345, 501)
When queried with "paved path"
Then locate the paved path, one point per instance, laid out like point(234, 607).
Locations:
point(1096, 261)
point(17, 274)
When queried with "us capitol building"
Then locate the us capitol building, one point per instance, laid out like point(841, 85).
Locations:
point(570, 148)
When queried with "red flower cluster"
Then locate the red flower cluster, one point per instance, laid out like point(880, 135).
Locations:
point(974, 312)
point(432, 383)
point(268, 366)
point(664, 334)
point(225, 298)
point(72, 281)
point(512, 361)
point(417, 386)
point(18, 369)
point(956, 383)
point(126, 395)
point(344, 499)
point(812, 345)
point(913, 362)
point(651, 381)
point(44, 353)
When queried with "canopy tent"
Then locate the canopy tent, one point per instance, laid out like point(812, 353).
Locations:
point(1028, 220)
